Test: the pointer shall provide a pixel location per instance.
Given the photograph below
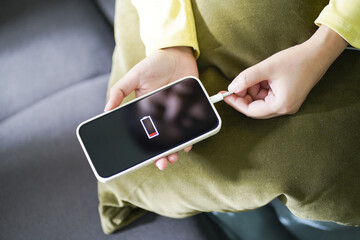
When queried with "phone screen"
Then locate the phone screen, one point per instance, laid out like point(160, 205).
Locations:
point(148, 127)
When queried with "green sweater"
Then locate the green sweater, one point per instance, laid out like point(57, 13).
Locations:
point(310, 161)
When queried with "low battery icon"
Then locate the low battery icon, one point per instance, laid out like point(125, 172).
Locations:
point(149, 127)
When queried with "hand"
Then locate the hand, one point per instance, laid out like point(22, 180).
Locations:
point(279, 85)
point(153, 72)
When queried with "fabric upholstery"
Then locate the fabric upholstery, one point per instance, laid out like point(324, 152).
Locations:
point(47, 46)
point(309, 160)
point(108, 9)
point(55, 59)
point(48, 188)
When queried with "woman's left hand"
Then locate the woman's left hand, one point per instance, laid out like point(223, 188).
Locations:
point(279, 84)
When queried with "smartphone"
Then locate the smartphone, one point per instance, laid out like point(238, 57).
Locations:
point(148, 128)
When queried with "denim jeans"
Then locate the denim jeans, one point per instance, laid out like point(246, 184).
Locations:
point(275, 221)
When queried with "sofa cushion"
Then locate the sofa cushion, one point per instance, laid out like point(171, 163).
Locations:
point(108, 9)
point(48, 190)
point(47, 46)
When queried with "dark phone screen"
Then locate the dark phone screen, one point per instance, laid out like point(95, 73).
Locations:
point(148, 127)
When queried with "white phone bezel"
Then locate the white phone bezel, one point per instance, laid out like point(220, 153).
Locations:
point(151, 160)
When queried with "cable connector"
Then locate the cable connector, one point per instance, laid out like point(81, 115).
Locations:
point(219, 97)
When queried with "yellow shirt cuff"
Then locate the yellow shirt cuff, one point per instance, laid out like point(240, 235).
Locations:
point(343, 16)
point(166, 23)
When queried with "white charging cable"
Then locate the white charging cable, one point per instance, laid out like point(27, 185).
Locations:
point(219, 97)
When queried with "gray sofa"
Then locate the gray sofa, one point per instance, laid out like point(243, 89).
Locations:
point(55, 59)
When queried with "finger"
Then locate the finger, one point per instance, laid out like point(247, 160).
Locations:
point(256, 109)
point(265, 84)
point(161, 163)
point(262, 94)
point(122, 88)
point(254, 90)
point(187, 149)
point(239, 103)
point(257, 93)
point(248, 78)
point(173, 158)
point(241, 93)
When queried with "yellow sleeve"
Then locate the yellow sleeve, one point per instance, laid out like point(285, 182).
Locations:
point(166, 23)
point(343, 16)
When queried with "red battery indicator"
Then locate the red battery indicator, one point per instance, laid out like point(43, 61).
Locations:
point(149, 127)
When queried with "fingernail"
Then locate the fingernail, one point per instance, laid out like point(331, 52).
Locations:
point(107, 106)
point(172, 159)
point(159, 165)
point(233, 87)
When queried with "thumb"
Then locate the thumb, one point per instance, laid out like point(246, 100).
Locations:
point(259, 109)
point(122, 88)
point(247, 78)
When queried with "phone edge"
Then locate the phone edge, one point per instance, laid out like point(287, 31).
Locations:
point(151, 160)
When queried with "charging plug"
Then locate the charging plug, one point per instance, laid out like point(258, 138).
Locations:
point(219, 97)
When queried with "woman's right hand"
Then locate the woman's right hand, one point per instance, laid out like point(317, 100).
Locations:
point(158, 69)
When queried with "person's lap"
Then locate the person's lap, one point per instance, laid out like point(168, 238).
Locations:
point(307, 160)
